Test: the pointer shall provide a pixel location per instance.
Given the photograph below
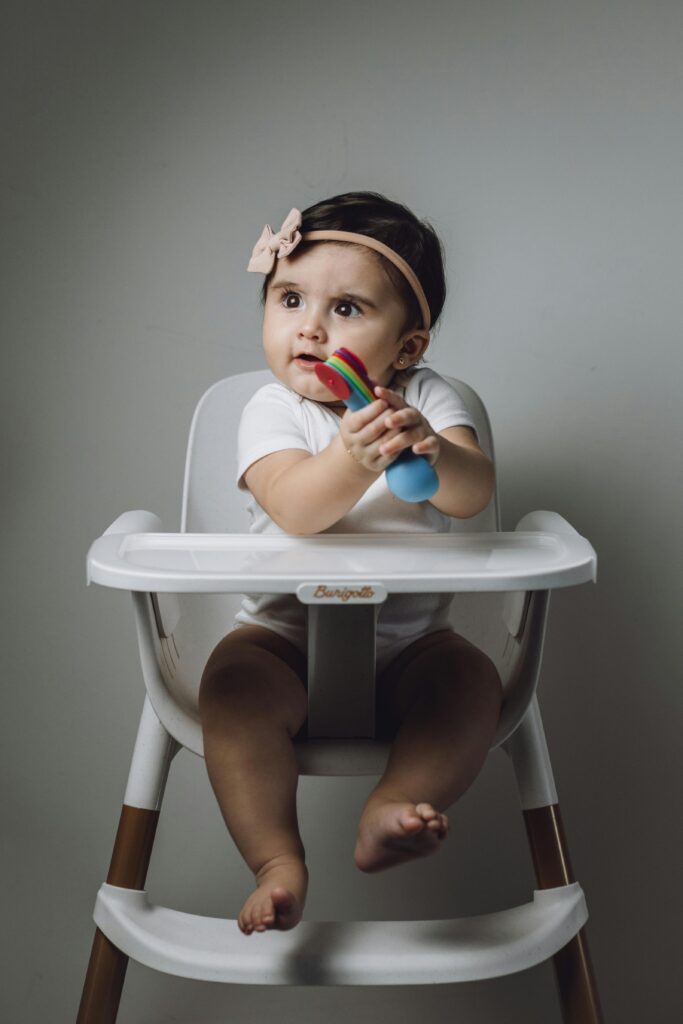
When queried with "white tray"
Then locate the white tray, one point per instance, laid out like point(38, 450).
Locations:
point(238, 563)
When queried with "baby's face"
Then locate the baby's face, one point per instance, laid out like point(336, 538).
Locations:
point(325, 298)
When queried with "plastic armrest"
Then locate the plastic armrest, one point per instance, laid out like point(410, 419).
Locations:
point(166, 607)
point(516, 604)
point(545, 522)
point(137, 521)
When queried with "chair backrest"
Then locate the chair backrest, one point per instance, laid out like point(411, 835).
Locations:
point(212, 503)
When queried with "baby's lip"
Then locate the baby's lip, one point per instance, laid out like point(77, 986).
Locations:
point(309, 355)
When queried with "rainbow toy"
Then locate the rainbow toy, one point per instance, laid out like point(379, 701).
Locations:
point(410, 476)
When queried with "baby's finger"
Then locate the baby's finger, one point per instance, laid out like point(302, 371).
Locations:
point(355, 421)
point(402, 417)
point(375, 430)
point(429, 447)
point(375, 444)
point(390, 397)
point(404, 439)
point(427, 444)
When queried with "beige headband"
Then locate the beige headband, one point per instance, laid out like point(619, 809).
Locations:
point(271, 245)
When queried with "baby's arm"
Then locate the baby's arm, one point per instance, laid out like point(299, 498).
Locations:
point(306, 493)
point(465, 473)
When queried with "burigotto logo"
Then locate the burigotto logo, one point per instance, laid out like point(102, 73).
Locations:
point(343, 593)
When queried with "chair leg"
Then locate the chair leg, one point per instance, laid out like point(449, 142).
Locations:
point(573, 969)
point(154, 750)
point(528, 752)
point(128, 869)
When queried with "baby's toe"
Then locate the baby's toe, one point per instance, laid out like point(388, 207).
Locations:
point(439, 825)
point(264, 915)
point(411, 822)
point(250, 917)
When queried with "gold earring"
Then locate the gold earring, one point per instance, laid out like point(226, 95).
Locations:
point(401, 360)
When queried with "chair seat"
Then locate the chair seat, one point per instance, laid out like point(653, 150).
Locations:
point(342, 757)
point(342, 952)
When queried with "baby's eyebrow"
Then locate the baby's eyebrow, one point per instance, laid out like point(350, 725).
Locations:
point(284, 284)
point(353, 296)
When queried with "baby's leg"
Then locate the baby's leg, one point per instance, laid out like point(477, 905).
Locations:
point(441, 698)
point(252, 702)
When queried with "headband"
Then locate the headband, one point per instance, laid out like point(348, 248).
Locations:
point(284, 242)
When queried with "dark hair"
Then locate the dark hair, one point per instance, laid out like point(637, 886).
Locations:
point(369, 213)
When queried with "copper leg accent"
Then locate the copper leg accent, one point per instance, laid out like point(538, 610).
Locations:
point(128, 869)
point(573, 968)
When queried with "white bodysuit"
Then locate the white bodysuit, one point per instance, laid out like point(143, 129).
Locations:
point(277, 418)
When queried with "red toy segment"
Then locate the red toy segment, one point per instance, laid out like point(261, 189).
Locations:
point(333, 380)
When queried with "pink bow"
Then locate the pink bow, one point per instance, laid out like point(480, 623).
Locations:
point(271, 245)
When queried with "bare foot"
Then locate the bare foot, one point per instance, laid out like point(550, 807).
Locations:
point(393, 831)
point(278, 901)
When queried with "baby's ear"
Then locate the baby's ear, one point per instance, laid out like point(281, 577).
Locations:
point(415, 344)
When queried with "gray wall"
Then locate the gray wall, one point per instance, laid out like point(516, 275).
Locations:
point(146, 146)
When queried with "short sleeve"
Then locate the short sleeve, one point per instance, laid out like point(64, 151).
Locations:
point(437, 401)
point(270, 423)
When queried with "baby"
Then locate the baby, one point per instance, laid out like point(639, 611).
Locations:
point(362, 272)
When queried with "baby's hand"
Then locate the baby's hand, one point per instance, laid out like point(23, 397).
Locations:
point(363, 431)
point(376, 440)
point(407, 428)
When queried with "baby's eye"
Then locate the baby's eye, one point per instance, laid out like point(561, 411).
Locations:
point(285, 300)
point(349, 305)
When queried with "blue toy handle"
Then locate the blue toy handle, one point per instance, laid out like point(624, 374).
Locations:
point(410, 476)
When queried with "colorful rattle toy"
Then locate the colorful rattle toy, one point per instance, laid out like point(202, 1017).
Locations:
point(410, 476)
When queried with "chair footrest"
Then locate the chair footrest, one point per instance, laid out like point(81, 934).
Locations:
point(342, 952)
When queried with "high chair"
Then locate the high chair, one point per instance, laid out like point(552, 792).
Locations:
point(343, 580)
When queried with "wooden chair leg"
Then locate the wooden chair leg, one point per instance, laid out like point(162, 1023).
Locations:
point(128, 869)
point(573, 969)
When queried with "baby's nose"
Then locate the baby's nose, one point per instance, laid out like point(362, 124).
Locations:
point(314, 329)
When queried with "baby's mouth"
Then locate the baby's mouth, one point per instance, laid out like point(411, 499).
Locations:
point(307, 362)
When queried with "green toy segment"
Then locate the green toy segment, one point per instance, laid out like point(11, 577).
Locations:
point(347, 371)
